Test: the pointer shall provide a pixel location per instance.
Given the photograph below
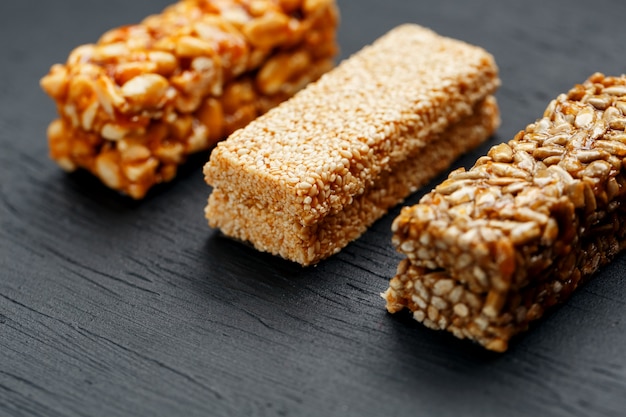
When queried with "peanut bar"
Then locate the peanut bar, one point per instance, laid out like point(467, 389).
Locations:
point(312, 174)
point(134, 105)
point(491, 248)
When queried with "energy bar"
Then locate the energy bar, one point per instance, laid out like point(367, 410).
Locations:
point(312, 174)
point(491, 248)
point(135, 104)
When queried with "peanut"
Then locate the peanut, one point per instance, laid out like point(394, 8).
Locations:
point(107, 169)
point(281, 68)
point(211, 115)
point(268, 31)
point(145, 92)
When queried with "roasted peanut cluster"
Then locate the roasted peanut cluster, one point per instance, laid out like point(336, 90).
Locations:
point(136, 103)
point(491, 248)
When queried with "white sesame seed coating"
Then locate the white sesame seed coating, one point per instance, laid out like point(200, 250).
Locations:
point(307, 161)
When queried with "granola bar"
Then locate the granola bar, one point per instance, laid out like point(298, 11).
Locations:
point(491, 248)
point(312, 174)
point(134, 105)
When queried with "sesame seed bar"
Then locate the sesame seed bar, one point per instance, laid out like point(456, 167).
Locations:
point(135, 104)
point(491, 248)
point(312, 174)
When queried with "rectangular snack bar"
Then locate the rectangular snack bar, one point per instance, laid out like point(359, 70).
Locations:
point(491, 248)
point(145, 96)
point(312, 174)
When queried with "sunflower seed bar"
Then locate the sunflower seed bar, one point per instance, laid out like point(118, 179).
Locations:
point(134, 105)
point(491, 248)
point(312, 174)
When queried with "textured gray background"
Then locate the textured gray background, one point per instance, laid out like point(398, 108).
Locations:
point(110, 307)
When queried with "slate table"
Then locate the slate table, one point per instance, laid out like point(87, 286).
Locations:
point(110, 307)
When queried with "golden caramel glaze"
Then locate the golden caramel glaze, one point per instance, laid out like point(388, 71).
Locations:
point(133, 105)
point(491, 248)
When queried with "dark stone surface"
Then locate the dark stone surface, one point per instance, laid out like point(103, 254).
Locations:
point(110, 307)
